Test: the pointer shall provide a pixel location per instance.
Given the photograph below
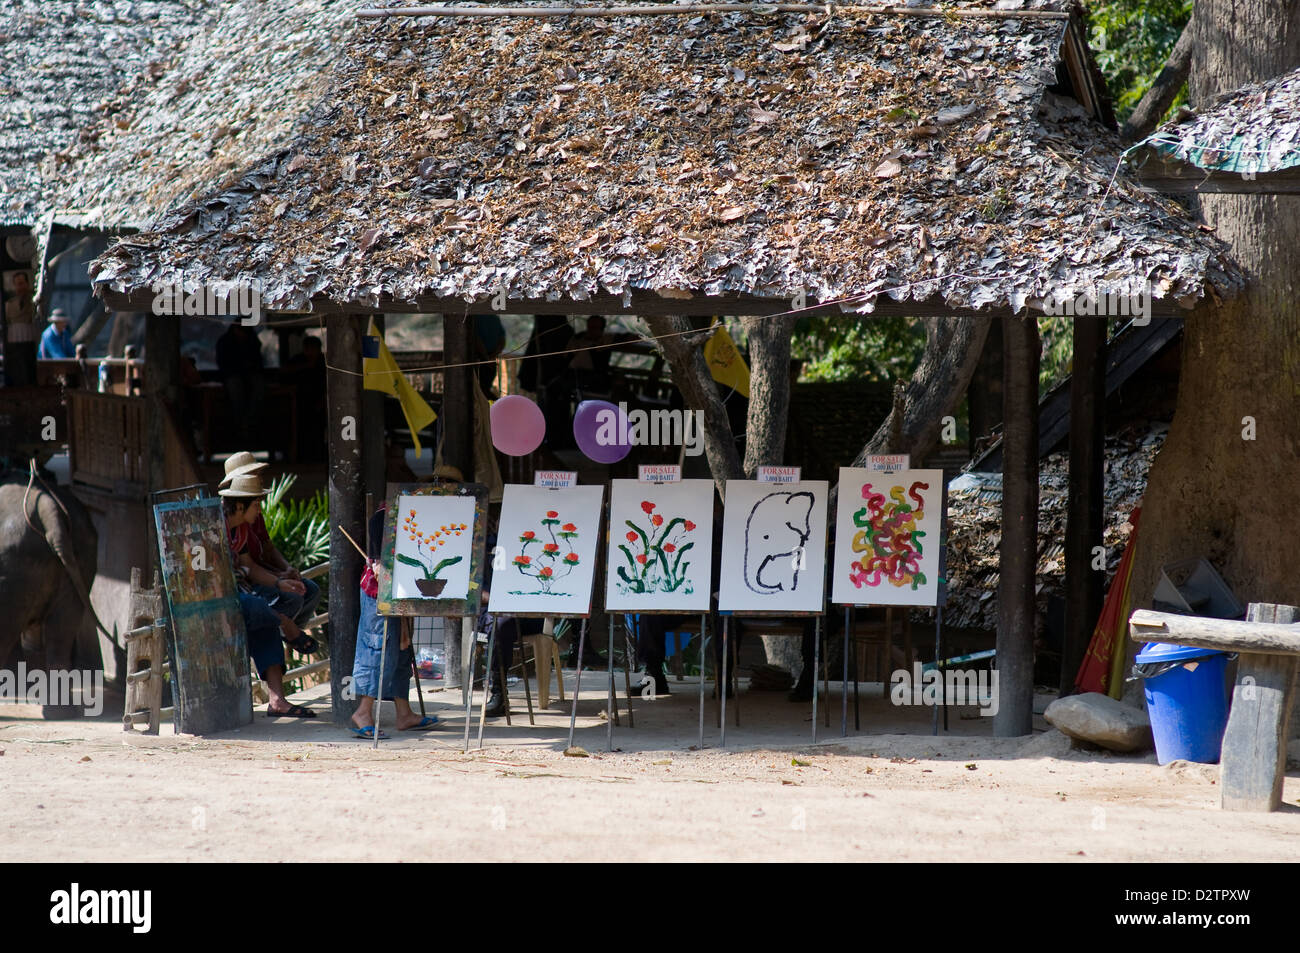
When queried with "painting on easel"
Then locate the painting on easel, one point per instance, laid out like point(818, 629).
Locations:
point(775, 557)
point(545, 562)
point(434, 537)
point(661, 546)
point(887, 538)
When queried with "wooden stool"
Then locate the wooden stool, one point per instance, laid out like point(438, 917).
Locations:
point(146, 656)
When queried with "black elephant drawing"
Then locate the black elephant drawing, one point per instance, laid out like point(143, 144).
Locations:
point(48, 560)
point(776, 531)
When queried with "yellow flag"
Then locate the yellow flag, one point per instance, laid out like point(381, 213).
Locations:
point(725, 363)
point(380, 372)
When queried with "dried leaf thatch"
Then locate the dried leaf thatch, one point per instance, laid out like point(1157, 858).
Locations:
point(840, 157)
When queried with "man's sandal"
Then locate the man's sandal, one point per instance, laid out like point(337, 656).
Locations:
point(304, 644)
point(295, 711)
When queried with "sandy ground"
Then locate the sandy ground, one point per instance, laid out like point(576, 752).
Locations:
point(306, 791)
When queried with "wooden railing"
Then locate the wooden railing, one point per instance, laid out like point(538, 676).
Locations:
point(108, 444)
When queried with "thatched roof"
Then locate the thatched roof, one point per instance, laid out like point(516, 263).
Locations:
point(743, 155)
point(1253, 129)
point(231, 97)
point(64, 67)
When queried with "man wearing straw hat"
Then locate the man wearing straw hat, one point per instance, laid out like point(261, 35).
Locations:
point(56, 341)
point(297, 601)
point(239, 503)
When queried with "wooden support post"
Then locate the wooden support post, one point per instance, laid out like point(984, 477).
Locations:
point(1254, 742)
point(162, 382)
point(1084, 583)
point(1019, 550)
point(346, 499)
point(373, 455)
point(457, 395)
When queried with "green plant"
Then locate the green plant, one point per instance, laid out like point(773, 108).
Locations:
point(1132, 39)
point(299, 528)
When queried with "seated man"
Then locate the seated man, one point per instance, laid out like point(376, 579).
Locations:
point(261, 623)
point(56, 341)
point(298, 601)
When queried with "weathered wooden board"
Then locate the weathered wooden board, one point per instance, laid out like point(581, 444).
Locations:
point(210, 678)
point(1225, 635)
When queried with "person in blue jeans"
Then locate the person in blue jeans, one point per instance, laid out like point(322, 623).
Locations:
point(266, 649)
point(373, 630)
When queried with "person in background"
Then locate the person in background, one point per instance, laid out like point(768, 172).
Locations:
point(489, 342)
point(239, 364)
point(56, 341)
point(20, 333)
point(261, 624)
point(298, 601)
point(590, 365)
point(373, 630)
point(544, 372)
point(307, 372)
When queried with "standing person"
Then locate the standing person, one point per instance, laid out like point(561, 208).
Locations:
point(260, 621)
point(20, 333)
point(56, 342)
point(489, 342)
point(373, 631)
point(544, 372)
point(239, 363)
point(298, 601)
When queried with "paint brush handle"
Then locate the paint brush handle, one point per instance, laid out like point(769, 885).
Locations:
point(354, 544)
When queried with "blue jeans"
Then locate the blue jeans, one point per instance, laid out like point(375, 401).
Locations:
point(299, 608)
point(265, 646)
point(372, 630)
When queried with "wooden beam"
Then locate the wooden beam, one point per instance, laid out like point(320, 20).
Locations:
point(1018, 555)
point(1156, 170)
point(457, 394)
point(373, 456)
point(641, 303)
point(162, 383)
point(1084, 583)
point(698, 8)
point(346, 499)
point(1224, 635)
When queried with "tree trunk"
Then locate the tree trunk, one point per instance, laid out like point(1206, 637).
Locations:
point(1224, 484)
point(1018, 555)
point(685, 356)
point(769, 390)
point(952, 352)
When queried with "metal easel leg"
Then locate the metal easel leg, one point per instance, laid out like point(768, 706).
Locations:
point(844, 683)
point(817, 658)
point(577, 688)
point(379, 702)
point(609, 667)
point(487, 667)
point(627, 674)
point(726, 630)
point(468, 648)
point(704, 642)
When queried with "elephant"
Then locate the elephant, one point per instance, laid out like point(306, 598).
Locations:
point(775, 533)
point(48, 559)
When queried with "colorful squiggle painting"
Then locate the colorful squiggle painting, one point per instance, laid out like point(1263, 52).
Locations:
point(887, 531)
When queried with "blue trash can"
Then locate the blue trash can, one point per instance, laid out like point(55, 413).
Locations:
point(1187, 700)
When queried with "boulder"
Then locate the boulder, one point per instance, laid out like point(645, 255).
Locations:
point(1101, 720)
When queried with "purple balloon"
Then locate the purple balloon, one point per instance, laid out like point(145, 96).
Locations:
point(517, 425)
point(601, 431)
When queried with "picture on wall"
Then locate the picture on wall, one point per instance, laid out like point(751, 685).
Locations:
point(545, 561)
point(434, 539)
point(774, 557)
point(887, 538)
point(660, 546)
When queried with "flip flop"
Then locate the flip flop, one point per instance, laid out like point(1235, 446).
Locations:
point(295, 711)
point(424, 724)
point(368, 732)
point(304, 644)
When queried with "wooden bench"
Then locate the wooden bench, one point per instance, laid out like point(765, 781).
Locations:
point(1254, 743)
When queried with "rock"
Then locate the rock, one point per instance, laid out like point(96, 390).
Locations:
point(1101, 720)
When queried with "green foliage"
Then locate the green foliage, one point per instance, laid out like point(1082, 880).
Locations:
point(840, 348)
point(299, 528)
point(1132, 40)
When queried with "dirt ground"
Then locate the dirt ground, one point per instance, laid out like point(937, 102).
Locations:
point(306, 791)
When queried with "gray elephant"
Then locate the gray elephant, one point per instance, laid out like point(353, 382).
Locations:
point(775, 533)
point(48, 560)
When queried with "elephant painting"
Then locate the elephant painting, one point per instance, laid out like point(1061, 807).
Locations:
point(48, 559)
point(776, 532)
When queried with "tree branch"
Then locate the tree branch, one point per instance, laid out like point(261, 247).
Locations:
point(1162, 93)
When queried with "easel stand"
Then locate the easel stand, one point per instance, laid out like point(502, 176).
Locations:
point(729, 661)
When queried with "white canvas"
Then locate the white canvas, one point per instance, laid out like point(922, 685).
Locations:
point(887, 538)
point(660, 546)
point(773, 547)
point(547, 559)
point(430, 531)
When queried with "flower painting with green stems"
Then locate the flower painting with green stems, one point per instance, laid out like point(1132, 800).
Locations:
point(545, 555)
point(661, 538)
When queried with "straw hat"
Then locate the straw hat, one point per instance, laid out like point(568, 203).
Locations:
point(242, 462)
point(57, 315)
point(445, 471)
point(244, 486)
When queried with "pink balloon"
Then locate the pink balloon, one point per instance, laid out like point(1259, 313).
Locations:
point(517, 425)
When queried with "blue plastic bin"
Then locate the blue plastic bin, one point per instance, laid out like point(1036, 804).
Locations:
point(1188, 704)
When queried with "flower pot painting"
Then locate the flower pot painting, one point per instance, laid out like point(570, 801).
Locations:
point(544, 561)
point(887, 538)
point(775, 556)
point(661, 538)
point(432, 546)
